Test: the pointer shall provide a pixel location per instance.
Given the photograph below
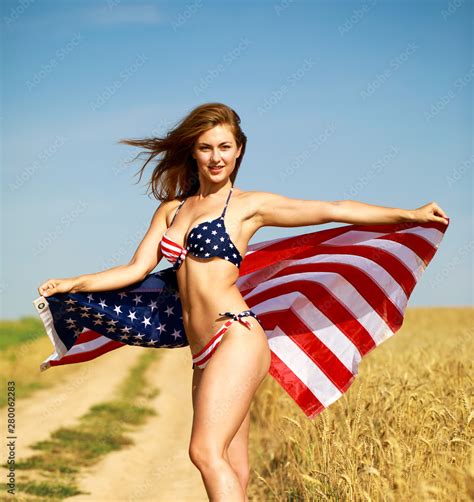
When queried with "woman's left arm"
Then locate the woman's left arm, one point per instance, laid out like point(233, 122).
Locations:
point(280, 211)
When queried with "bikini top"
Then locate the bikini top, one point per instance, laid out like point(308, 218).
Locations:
point(207, 239)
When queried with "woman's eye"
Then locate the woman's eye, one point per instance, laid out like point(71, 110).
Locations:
point(226, 147)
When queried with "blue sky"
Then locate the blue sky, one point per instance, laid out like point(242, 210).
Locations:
point(370, 101)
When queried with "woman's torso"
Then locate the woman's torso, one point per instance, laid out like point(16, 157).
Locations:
point(207, 286)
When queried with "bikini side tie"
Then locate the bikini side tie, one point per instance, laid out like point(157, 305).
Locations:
point(238, 317)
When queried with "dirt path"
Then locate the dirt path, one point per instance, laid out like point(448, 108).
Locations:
point(61, 405)
point(157, 466)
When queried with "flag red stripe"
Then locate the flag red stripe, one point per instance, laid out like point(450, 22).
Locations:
point(80, 357)
point(299, 392)
point(88, 335)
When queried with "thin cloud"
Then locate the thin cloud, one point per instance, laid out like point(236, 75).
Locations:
point(124, 14)
point(110, 13)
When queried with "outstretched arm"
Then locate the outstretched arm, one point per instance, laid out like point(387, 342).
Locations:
point(280, 211)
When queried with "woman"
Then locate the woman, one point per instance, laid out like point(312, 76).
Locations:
point(203, 227)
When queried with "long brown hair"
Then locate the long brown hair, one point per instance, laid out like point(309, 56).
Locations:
point(175, 174)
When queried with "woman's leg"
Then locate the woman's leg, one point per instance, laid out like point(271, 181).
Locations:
point(237, 453)
point(226, 388)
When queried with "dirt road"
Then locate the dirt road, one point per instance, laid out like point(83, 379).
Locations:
point(75, 392)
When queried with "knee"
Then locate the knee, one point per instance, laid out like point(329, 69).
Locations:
point(204, 457)
point(194, 453)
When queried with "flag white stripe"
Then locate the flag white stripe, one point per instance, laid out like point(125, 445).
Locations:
point(303, 367)
point(432, 235)
point(89, 345)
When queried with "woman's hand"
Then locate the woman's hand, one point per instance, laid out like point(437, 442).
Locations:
point(430, 212)
point(53, 286)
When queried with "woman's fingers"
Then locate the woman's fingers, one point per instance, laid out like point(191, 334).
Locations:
point(432, 212)
point(47, 287)
point(438, 211)
point(54, 286)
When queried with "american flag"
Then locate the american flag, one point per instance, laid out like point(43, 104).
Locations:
point(325, 299)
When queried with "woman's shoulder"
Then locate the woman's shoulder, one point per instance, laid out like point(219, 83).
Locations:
point(168, 207)
point(253, 196)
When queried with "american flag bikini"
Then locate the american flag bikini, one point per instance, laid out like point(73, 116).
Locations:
point(207, 240)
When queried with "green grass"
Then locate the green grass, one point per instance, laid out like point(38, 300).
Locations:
point(22, 347)
point(20, 331)
point(54, 491)
point(133, 385)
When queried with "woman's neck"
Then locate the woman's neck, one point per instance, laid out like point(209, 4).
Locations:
point(214, 189)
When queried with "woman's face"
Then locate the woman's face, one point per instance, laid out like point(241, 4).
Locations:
point(215, 152)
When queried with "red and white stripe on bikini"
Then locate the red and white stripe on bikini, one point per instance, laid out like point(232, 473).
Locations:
point(201, 358)
point(172, 251)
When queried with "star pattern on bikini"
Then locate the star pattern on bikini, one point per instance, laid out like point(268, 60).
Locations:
point(207, 239)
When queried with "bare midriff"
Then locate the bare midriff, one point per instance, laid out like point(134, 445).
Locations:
point(207, 287)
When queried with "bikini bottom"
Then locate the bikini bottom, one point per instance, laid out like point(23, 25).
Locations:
point(201, 358)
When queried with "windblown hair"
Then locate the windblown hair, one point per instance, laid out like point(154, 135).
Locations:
point(176, 174)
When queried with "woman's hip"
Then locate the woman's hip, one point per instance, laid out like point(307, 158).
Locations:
point(247, 322)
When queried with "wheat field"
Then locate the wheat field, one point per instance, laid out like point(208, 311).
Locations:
point(402, 431)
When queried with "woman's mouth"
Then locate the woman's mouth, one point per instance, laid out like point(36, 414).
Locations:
point(216, 169)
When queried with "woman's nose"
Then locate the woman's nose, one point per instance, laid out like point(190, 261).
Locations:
point(216, 155)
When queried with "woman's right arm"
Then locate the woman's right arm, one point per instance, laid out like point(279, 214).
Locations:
point(146, 258)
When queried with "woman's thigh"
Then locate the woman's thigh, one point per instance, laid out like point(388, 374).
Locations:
point(237, 449)
point(225, 387)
